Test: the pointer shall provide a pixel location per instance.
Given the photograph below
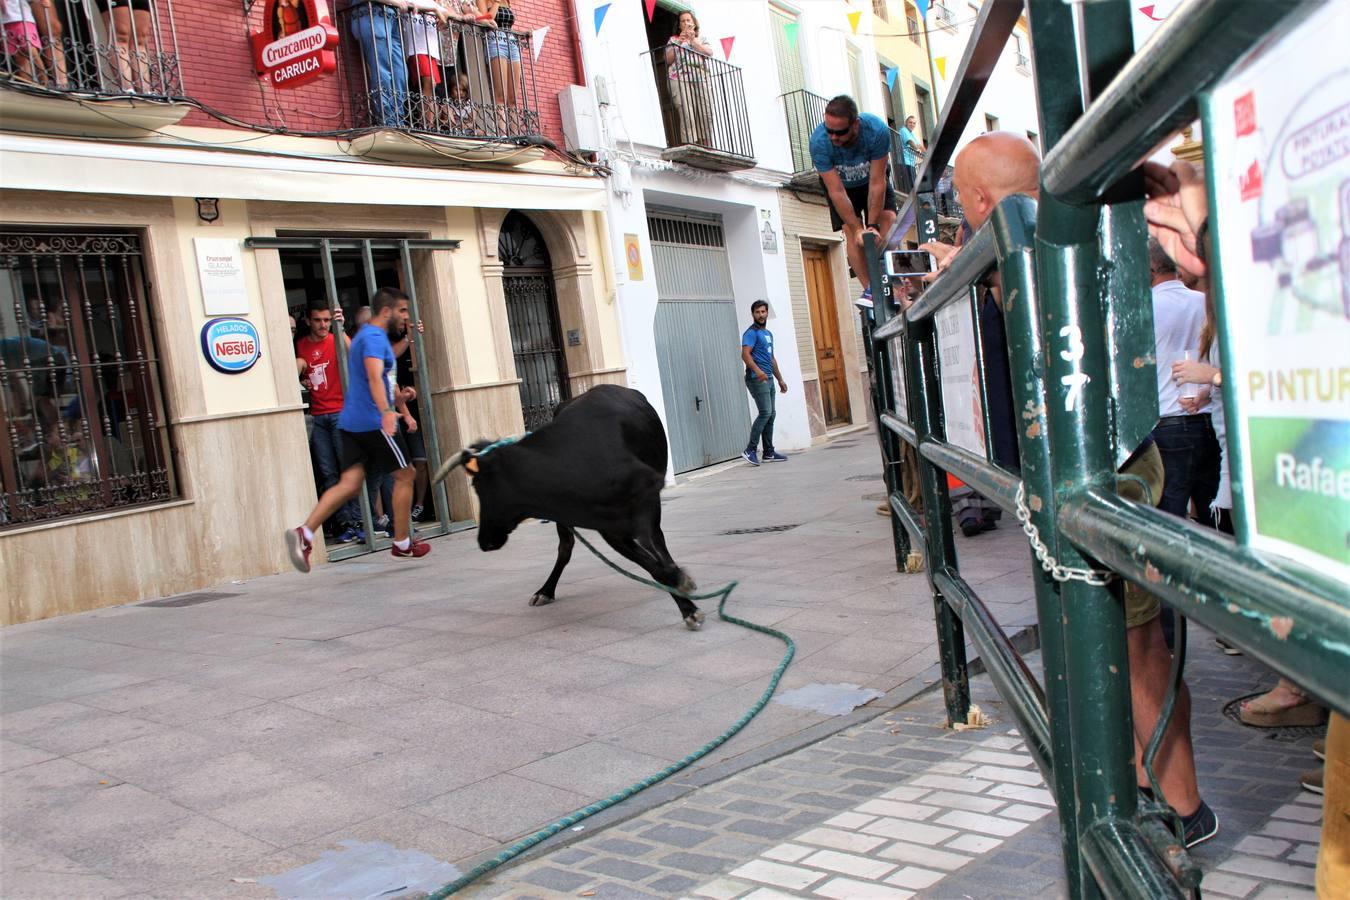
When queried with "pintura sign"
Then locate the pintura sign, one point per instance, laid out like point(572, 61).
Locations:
point(296, 43)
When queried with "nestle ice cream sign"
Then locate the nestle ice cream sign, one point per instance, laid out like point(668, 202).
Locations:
point(231, 345)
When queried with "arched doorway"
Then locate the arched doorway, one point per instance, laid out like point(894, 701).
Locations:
point(532, 311)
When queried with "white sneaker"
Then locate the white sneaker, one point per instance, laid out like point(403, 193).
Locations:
point(865, 300)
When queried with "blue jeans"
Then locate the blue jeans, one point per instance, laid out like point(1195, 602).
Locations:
point(1190, 456)
point(376, 28)
point(762, 428)
point(326, 447)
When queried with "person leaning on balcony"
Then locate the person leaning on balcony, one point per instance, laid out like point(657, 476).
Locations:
point(23, 46)
point(52, 31)
point(852, 153)
point(990, 168)
point(375, 26)
point(687, 57)
point(911, 148)
point(131, 23)
point(422, 42)
point(503, 50)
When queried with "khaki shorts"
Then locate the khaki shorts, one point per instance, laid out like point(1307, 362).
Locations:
point(1141, 607)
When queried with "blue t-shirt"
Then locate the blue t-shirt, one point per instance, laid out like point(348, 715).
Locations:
point(854, 163)
point(908, 155)
point(359, 412)
point(760, 342)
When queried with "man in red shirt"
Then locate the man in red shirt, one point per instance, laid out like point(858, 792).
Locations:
point(316, 359)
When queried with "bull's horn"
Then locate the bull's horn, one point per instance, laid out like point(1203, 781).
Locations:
point(451, 464)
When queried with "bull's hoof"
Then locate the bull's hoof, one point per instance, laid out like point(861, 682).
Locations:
point(694, 622)
point(541, 600)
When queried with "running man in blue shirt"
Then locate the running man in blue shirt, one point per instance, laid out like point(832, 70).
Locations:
point(368, 431)
point(852, 154)
point(757, 354)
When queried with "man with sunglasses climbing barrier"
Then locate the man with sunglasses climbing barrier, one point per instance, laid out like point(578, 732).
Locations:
point(852, 153)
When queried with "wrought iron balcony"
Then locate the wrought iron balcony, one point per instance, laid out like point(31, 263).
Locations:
point(130, 66)
point(703, 109)
point(804, 111)
point(453, 81)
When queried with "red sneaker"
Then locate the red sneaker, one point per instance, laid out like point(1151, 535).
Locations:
point(416, 550)
point(299, 549)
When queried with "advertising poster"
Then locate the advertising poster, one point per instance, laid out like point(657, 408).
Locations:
point(961, 410)
point(220, 269)
point(1280, 130)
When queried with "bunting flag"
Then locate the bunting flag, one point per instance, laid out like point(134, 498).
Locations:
point(941, 63)
point(726, 47)
point(923, 8)
point(891, 74)
point(600, 16)
point(853, 19)
point(790, 31)
point(651, 8)
point(537, 41)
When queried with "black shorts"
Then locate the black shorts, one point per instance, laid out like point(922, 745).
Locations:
point(417, 447)
point(858, 197)
point(104, 5)
point(375, 451)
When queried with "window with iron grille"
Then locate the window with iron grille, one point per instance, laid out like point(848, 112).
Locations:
point(879, 10)
point(912, 22)
point(82, 424)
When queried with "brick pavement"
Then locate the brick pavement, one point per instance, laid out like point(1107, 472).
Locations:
point(901, 807)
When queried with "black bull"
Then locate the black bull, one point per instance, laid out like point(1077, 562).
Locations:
point(600, 464)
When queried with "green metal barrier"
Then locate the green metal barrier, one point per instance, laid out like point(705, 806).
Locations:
point(1078, 316)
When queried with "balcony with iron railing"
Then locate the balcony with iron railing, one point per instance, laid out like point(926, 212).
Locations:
point(73, 70)
point(472, 92)
point(803, 111)
point(703, 109)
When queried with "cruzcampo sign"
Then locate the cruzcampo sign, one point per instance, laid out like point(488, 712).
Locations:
point(1279, 129)
point(231, 344)
point(296, 43)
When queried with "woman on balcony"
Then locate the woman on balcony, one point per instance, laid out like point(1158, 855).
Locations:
point(503, 50)
point(130, 27)
point(422, 42)
point(687, 58)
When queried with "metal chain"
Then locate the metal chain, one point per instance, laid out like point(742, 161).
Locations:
point(1095, 577)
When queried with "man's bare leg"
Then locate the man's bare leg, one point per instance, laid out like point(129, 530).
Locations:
point(348, 484)
point(853, 250)
point(1174, 766)
point(401, 515)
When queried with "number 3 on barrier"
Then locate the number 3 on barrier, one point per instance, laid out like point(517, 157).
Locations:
point(1074, 381)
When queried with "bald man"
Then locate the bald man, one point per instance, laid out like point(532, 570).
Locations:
point(991, 167)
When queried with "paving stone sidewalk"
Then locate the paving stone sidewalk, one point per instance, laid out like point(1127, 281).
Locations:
point(900, 807)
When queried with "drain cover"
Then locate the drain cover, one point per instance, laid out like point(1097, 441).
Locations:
point(1289, 735)
point(187, 599)
point(841, 446)
point(767, 529)
point(881, 496)
point(863, 478)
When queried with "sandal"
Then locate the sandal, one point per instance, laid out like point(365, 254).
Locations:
point(1262, 712)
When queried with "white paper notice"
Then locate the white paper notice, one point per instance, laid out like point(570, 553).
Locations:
point(220, 266)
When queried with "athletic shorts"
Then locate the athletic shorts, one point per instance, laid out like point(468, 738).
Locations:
point(423, 65)
point(375, 451)
point(20, 37)
point(857, 196)
point(413, 440)
point(1141, 607)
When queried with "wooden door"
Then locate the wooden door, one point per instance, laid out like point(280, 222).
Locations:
point(825, 332)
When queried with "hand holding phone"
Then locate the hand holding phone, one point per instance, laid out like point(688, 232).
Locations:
point(909, 263)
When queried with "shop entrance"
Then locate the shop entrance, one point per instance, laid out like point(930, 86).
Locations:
point(340, 274)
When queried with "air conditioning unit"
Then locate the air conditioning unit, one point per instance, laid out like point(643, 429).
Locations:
point(581, 126)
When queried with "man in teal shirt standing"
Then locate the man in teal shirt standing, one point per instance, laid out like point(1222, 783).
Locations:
point(911, 148)
point(757, 354)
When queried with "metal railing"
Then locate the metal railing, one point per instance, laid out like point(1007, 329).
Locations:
point(1076, 307)
point(81, 424)
point(74, 49)
point(412, 71)
point(803, 111)
point(702, 101)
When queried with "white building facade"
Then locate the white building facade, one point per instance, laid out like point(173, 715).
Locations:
point(704, 216)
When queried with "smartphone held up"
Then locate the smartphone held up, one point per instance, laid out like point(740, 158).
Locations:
point(909, 263)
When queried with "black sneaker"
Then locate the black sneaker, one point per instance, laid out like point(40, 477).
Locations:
point(1200, 825)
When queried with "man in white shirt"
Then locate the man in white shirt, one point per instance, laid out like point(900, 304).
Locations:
point(1190, 451)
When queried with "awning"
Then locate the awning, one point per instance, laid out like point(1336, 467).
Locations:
point(30, 162)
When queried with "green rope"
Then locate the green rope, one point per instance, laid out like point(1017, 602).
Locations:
point(573, 818)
